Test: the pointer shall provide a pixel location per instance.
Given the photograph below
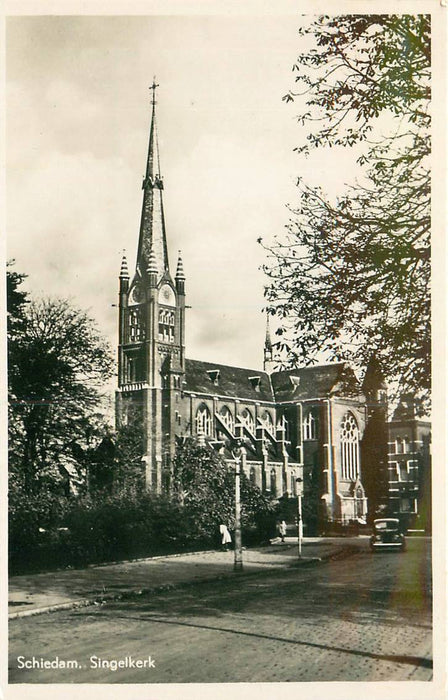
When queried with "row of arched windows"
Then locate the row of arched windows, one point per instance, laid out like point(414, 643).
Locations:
point(246, 417)
point(349, 434)
point(166, 317)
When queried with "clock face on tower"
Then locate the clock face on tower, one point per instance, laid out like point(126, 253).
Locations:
point(166, 295)
point(137, 294)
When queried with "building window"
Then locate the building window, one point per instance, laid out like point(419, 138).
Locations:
point(166, 326)
point(283, 428)
point(226, 418)
point(273, 482)
point(135, 326)
point(247, 419)
point(213, 375)
point(203, 421)
point(349, 435)
point(309, 426)
point(132, 369)
point(399, 446)
point(252, 475)
point(393, 471)
point(406, 505)
point(402, 471)
point(267, 421)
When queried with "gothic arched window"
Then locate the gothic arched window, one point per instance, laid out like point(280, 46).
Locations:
point(247, 419)
point(309, 426)
point(203, 421)
point(226, 418)
point(349, 435)
point(273, 482)
point(267, 421)
point(283, 427)
point(252, 475)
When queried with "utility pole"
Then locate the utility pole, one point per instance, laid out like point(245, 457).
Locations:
point(299, 482)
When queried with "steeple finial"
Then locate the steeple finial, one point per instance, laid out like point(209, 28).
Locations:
point(124, 272)
point(153, 87)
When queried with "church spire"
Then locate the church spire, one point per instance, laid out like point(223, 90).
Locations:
point(152, 226)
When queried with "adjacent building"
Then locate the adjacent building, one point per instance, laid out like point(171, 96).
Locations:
point(409, 465)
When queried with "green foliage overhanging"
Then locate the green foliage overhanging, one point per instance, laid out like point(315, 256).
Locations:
point(351, 275)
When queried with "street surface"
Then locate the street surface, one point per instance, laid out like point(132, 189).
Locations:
point(363, 617)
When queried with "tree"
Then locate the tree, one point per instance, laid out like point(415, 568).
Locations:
point(205, 485)
point(129, 448)
point(58, 364)
point(351, 277)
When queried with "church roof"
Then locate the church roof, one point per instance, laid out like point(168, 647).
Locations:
point(311, 382)
point(222, 380)
point(289, 385)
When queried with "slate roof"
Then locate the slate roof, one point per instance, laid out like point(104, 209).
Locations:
point(233, 381)
point(310, 382)
point(288, 385)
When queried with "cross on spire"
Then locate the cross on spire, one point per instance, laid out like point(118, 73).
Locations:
point(153, 88)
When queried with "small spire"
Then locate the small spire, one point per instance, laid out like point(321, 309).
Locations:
point(124, 272)
point(180, 274)
point(152, 262)
point(268, 341)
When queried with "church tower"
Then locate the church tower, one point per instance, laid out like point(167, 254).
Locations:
point(151, 347)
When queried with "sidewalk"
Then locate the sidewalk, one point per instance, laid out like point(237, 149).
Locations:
point(57, 590)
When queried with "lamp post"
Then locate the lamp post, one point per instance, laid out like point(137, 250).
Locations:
point(239, 454)
point(299, 482)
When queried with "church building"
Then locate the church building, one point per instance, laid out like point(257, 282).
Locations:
point(297, 424)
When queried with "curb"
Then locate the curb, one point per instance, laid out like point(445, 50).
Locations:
point(123, 595)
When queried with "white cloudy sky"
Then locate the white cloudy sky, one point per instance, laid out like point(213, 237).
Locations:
point(78, 110)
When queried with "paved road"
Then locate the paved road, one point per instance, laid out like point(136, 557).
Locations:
point(362, 618)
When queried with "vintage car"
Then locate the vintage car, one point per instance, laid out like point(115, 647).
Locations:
point(387, 534)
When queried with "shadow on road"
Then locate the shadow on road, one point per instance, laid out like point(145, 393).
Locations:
point(399, 659)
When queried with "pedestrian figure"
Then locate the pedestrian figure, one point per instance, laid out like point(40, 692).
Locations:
point(225, 536)
point(282, 530)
